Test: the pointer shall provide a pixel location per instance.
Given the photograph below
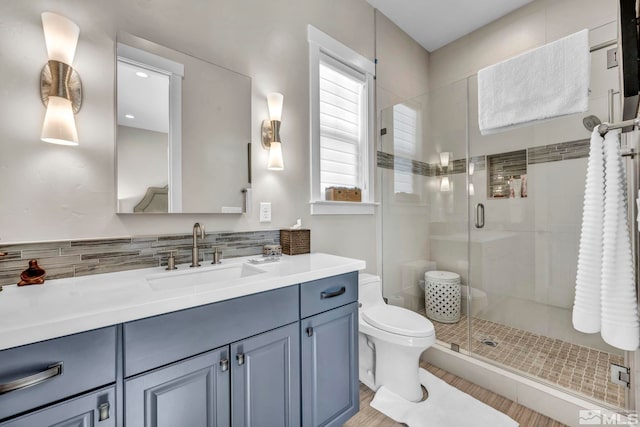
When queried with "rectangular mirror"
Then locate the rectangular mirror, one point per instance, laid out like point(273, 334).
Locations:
point(183, 128)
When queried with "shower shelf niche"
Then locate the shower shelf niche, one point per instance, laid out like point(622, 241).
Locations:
point(505, 169)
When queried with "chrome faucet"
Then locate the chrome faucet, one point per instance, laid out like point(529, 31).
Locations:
point(195, 256)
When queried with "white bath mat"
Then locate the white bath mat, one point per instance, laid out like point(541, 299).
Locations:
point(446, 406)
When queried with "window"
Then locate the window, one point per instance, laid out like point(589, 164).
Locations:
point(342, 146)
point(405, 144)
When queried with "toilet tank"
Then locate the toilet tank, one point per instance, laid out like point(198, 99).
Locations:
point(369, 290)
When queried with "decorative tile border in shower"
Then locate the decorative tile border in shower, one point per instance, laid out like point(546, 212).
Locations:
point(72, 258)
point(558, 152)
point(403, 164)
point(541, 154)
point(416, 167)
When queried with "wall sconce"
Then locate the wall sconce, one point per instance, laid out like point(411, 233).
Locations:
point(445, 156)
point(445, 185)
point(472, 168)
point(271, 132)
point(60, 85)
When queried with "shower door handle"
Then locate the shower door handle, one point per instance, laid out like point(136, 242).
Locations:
point(479, 215)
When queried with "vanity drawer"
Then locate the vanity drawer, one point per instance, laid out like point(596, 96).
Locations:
point(56, 369)
point(157, 341)
point(331, 292)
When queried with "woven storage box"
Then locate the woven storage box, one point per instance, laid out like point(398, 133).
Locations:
point(343, 194)
point(295, 242)
point(442, 296)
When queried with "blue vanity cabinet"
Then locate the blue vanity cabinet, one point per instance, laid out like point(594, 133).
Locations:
point(173, 378)
point(245, 362)
point(266, 379)
point(193, 392)
point(329, 345)
point(96, 409)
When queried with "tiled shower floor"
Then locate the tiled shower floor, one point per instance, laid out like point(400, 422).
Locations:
point(577, 368)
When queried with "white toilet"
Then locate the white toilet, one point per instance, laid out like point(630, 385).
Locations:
point(391, 340)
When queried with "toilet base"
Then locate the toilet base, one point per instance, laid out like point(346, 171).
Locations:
point(392, 365)
point(397, 369)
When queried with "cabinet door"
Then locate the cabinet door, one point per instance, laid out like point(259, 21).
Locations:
point(193, 392)
point(329, 367)
point(266, 379)
point(95, 409)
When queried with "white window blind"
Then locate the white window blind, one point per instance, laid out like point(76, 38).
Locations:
point(405, 144)
point(342, 118)
point(342, 125)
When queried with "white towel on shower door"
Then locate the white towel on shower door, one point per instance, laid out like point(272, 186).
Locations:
point(546, 82)
point(586, 308)
point(619, 311)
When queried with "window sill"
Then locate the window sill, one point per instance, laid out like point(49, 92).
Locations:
point(324, 207)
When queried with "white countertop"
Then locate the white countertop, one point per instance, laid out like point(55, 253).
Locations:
point(61, 307)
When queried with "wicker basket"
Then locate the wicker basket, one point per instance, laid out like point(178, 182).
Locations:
point(295, 242)
point(343, 194)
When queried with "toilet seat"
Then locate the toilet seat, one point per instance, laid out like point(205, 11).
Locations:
point(398, 320)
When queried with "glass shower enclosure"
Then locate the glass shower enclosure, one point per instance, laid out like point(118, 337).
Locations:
point(504, 213)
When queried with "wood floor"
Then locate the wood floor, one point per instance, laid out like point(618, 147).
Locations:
point(369, 417)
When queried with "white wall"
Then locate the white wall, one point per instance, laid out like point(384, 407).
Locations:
point(533, 25)
point(52, 192)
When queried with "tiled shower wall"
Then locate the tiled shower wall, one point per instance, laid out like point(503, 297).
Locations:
point(534, 155)
point(71, 258)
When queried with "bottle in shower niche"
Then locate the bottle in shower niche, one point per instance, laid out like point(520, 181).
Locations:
point(523, 189)
point(515, 187)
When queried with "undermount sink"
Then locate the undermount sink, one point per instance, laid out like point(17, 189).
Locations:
point(216, 277)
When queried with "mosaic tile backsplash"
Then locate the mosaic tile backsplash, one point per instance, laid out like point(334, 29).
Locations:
point(72, 258)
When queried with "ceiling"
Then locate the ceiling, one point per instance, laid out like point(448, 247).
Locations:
point(435, 23)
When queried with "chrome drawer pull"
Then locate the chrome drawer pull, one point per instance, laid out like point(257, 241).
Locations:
point(103, 411)
point(240, 358)
point(51, 372)
point(224, 365)
point(325, 294)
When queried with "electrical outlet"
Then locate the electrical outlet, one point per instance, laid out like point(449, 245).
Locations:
point(265, 212)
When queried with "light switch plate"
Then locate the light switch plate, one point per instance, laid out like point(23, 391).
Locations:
point(265, 212)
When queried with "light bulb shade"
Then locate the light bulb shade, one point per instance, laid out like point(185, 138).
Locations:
point(472, 189)
point(275, 162)
point(59, 123)
point(61, 35)
point(472, 168)
point(444, 159)
point(274, 103)
point(445, 185)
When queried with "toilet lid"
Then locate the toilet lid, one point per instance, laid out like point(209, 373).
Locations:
point(398, 320)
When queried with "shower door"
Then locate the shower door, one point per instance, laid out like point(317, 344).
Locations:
point(504, 213)
point(526, 189)
point(422, 163)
